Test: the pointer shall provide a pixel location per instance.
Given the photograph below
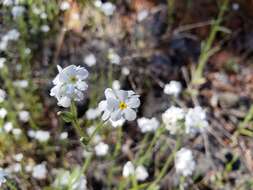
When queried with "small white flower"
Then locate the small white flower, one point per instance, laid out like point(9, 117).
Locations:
point(119, 104)
point(64, 5)
point(17, 11)
point(2, 62)
point(184, 162)
point(7, 3)
point(45, 28)
point(101, 149)
point(8, 126)
point(80, 183)
point(141, 173)
point(173, 88)
point(128, 169)
point(125, 71)
point(92, 113)
point(36, 10)
point(148, 125)
point(142, 15)
point(31, 133)
point(27, 51)
point(14, 168)
point(195, 120)
point(42, 136)
point(97, 138)
point(235, 6)
point(43, 15)
point(116, 85)
point(16, 132)
point(39, 171)
point(108, 8)
point(3, 113)
point(3, 46)
point(24, 116)
point(98, 3)
point(18, 157)
point(21, 83)
point(173, 119)
point(90, 60)
point(2, 95)
point(12, 35)
point(113, 57)
point(69, 85)
point(3, 176)
point(64, 136)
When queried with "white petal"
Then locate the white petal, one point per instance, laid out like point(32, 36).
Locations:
point(122, 95)
point(133, 102)
point(129, 114)
point(106, 115)
point(116, 115)
point(64, 102)
point(82, 73)
point(102, 105)
point(109, 93)
point(112, 104)
point(81, 85)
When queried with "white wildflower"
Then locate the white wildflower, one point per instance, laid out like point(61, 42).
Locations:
point(8, 126)
point(195, 120)
point(184, 162)
point(16, 132)
point(128, 169)
point(173, 88)
point(90, 60)
point(3, 113)
point(31, 133)
point(141, 173)
point(101, 149)
point(43, 15)
point(2, 95)
point(42, 136)
point(118, 123)
point(45, 28)
point(125, 71)
point(24, 116)
point(7, 3)
point(141, 15)
point(12, 35)
point(17, 11)
point(80, 183)
point(119, 104)
point(63, 135)
point(3, 176)
point(18, 157)
point(116, 85)
point(113, 57)
point(14, 168)
point(173, 119)
point(64, 5)
point(148, 125)
point(21, 83)
point(69, 85)
point(39, 171)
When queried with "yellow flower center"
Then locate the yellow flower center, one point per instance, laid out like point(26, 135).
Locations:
point(122, 105)
point(73, 79)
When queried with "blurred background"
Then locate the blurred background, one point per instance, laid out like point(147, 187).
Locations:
point(204, 45)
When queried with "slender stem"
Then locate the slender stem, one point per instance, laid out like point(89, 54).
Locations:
point(95, 132)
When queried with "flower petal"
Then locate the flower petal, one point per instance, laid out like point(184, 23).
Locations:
point(81, 85)
point(64, 102)
point(82, 73)
point(112, 104)
point(133, 102)
point(106, 115)
point(122, 95)
point(129, 114)
point(116, 115)
point(109, 93)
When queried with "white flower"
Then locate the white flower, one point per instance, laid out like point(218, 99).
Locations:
point(148, 125)
point(97, 137)
point(3, 113)
point(113, 57)
point(17, 11)
point(2, 95)
point(43, 15)
point(8, 126)
point(101, 149)
point(125, 71)
point(2, 61)
point(80, 183)
point(173, 88)
point(3, 176)
point(12, 35)
point(116, 85)
point(90, 60)
point(31, 133)
point(7, 3)
point(128, 169)
point(16, 167)
point(69, 85)
point(142, 15)
point(173, 119)
point(98, 3)
point(39, 171)
point(27, 51)
point(64, 5)
point(18, 157)
point(64, 135)
point(118, 123)
point(17, 132)
point(92, 113)
point(24, 116)
point(108, 8)
point(141, 173)
point(42, 136)
point(44, 28)
point(21, 83)
point(119, 104)
point(195, 120)
point(184, 162)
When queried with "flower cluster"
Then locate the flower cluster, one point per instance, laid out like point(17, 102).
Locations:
point(184, 162)
point(69, 85)
point(140, 172)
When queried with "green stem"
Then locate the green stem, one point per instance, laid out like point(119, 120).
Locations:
point(95, 132)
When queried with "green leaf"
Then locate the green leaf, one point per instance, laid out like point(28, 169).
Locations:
point(67, 116)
